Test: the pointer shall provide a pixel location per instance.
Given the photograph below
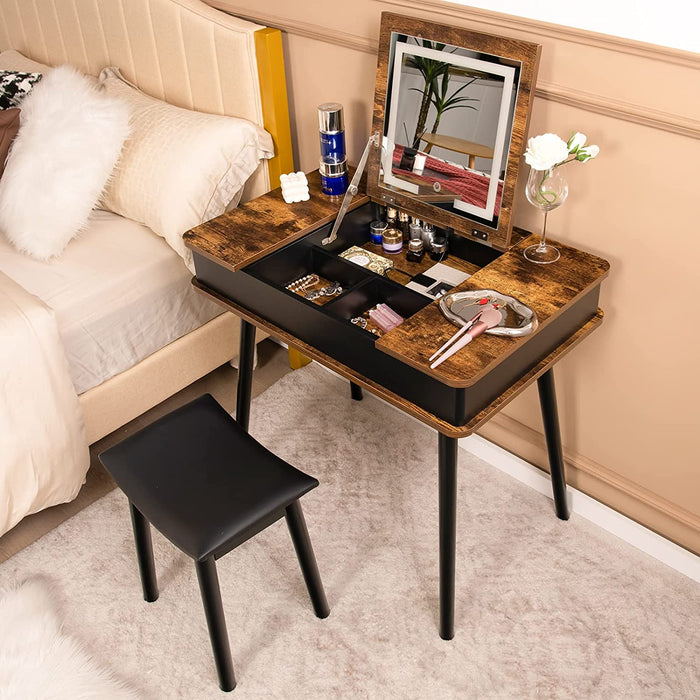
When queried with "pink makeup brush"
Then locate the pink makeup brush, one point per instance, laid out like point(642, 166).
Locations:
point(455, 337)
point(488, 318)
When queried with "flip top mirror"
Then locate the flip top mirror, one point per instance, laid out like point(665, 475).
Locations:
point(452, 107)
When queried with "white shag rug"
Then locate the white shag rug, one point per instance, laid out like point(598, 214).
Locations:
point(38, 660)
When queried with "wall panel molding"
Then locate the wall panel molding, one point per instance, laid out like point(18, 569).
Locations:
point(617, 109)
point(555, 31)
point(596, 480)
point(296, 27)
point(599, 104)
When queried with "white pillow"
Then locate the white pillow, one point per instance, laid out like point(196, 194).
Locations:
point(69, 139)
point(14, 60)
point(179, 167)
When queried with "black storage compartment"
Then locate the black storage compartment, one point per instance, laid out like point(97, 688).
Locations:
point(326, 324)
point(377, 291)
point(299, 259)
point(328, 327)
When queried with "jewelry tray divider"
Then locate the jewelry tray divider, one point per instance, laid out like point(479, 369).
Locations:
point(261, 286)
point(363, 289)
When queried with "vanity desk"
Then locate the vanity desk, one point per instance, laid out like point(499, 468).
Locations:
point(244, 259)
point(266, 260)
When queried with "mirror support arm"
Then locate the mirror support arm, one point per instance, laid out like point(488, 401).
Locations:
point(352, 189)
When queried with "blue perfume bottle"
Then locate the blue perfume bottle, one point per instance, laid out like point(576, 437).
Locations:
point(332, 132)
point(334, 177)
point(333, 166)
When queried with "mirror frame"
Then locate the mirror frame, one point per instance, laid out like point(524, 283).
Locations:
point(524, 52)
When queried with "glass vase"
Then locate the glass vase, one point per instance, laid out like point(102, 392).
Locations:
point(546, 190)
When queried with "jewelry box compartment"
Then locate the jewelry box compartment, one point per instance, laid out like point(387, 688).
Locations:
point(261, 288)
point(289, 267)
point(325, 324)
point(357, 303)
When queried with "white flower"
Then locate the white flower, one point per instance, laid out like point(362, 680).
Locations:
point(545, 151)
point(587, 153)
point(577, 141)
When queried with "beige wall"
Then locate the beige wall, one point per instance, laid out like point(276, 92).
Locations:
point(628, 396)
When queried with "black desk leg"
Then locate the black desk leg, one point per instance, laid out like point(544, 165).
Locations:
point(550, 418)
point(246, 357)
point(447, 458)
point(355, 391)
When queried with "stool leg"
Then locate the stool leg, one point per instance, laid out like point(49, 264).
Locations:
point(307, 560)
point(144, 554)
point(216, 622)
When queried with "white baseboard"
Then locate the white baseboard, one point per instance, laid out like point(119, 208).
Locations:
point(619, 525)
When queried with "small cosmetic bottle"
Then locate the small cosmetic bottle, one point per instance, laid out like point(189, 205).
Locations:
point(334, 178)
point(415, 250)
point(391, 217)
point(404, 225)
point(438, 248)
point(427, 234)
point(376, 231)
point(392, 241)
point(415, 228)
point(332, 132)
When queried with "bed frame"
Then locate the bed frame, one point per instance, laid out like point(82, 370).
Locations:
point(190, 55)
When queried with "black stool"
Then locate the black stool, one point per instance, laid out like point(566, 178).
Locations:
point(208, 486)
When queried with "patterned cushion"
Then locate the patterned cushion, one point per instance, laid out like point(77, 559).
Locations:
point(15, 86)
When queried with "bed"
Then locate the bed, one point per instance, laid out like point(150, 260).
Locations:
point(129, 331)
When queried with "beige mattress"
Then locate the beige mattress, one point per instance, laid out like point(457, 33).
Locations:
point(119, 293)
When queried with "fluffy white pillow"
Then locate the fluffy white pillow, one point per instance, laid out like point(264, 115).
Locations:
point(179, 167)
point(69, 139)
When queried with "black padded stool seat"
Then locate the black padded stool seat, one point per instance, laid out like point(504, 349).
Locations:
point(208, 486)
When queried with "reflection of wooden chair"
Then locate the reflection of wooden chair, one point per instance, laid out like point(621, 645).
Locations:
point(453, 143)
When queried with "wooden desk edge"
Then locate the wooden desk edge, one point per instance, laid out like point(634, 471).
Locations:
point(194, 246)
point(198, 239)
point(399, 402)
point(442, 374)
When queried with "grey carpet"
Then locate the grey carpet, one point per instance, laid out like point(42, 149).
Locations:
point(544, 608)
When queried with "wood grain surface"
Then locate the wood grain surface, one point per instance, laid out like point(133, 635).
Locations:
point(547, 289)
point(259, 227)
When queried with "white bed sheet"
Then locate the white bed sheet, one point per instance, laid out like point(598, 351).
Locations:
point(119, 293)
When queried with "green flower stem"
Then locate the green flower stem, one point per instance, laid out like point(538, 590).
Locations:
point(546, 196)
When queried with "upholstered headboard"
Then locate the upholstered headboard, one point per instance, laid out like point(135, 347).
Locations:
point(180, 51)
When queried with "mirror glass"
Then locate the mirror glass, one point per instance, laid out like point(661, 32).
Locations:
point(447, 134)
point(452, 107)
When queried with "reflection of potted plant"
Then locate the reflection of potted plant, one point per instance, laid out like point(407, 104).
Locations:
point(443, 102)
point(431, 69)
